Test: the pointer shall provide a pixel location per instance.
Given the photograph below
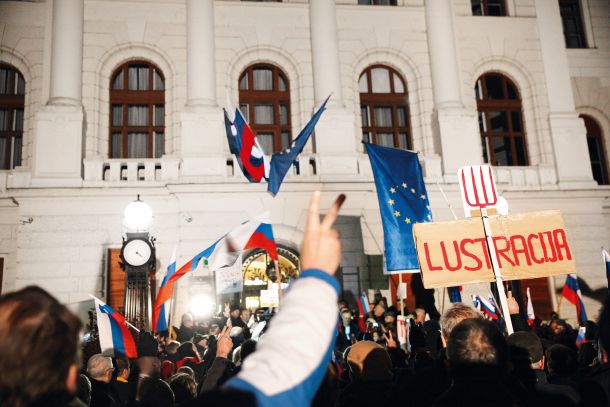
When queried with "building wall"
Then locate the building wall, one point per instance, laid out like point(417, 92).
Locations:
point(63, 248)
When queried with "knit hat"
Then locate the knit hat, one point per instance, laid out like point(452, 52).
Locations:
point(369, 362)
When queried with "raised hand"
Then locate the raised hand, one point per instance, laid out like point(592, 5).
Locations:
point(321, 248)
point(513, 305)
point(224, 343)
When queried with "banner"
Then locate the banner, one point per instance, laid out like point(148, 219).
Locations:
point(528, 245)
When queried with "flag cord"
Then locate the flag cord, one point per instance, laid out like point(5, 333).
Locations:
point(438, 184)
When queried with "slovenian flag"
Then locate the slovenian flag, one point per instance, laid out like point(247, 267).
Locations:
point(244, 145)
point(113, 332)
point(571, 292)
point(162, 321)
point(363, 308)
point(581, 337)
point(486, 307)
point(262, 238)
point(531, 317)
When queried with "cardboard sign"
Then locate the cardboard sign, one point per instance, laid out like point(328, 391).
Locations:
point(229, 279)
point(528, 245)
point(269, 298)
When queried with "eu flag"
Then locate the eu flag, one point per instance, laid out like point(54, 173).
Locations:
point(403, 201)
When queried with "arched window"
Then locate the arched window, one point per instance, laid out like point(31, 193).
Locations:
point(597, 152)
point(12, 101)
point(384, 108)
point(137, 111)
point(264, 100)
point(500, 120)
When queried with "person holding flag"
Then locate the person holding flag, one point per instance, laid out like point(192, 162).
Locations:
point(571, 292)
point(114, 332)
point(531, 317)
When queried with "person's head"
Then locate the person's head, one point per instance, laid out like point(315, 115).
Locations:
point(172, 347)
point(346, 316)
point(154, 392)
point(369, 361)
point(561, 360)
point(186, 350)
point(379, 310)
point(476, 346)
point(389, 318)
point(235, 311)
point(342, 304)
point(420, 315)
point(247, 348)
point(188, 370)
point(99, 367)
point(122, 367)
point(187, 320)
point(184, 387)
point(245, 315)
point(453, 316)
point(558, 326)
point(529, 344)
point(39, 339)
point(214, 329)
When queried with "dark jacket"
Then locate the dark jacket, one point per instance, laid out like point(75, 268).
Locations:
point(103, 395)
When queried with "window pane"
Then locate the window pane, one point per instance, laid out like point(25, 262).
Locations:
point(243, 108)
point(364, 111)
point(282, 83)
point(138, 78)
point(485, 145)
point(398, 85)
point(18, 120)
point(520, 151)
point(159, 115)
point(3, 119)
point(403, 141)
point(19, 85)
point(266, 142)
point(363, 84)
point(4, 81)
point(502, 151)
point(263, 114)
point(243, 82)
point(498, 121)
point(381, 80)
point(283, 115)
point(285, 140)
point(594, 150)
point(4, 164)
point(401, 112)
point(512, 92)
point(137, 115)
point(117, 146)
point(137, 144)
point(117, 83)
point(263, 79)
point(158, 81)
point(495, 8)
point(17, 146)
point(383, 117)
point(365, 2)
point(494, 87)
point(385, 139)
point(479, 89)
point(516, 120)
point(482, 123)
point(366, 136)
point(159, 144)
point(117, 115)
point(477, 8)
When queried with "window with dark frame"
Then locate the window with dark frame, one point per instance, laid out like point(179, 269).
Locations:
point(264, 100)
point(12, 104)
point(377, 2)
point(384, 108)
point(137, 111)
point(571, 20)
point(597, 151)
point(500, 121)
point(488, 8)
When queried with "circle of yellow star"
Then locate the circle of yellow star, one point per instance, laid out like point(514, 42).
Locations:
point(391, 202)
point(408, 220)
point(397, 214)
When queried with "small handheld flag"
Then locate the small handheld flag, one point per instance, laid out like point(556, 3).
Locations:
point(403, 201)
point(363, 308)
point(113, 331)
point(488, 308)
point(581, 337)
point(571, 292)
point(531, 317)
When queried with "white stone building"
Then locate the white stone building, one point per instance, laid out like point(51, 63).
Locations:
point(90, 69)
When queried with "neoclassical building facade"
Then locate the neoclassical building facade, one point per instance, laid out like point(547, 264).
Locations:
point(102, 100)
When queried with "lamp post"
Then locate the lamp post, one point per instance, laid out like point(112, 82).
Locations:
point(138, 262)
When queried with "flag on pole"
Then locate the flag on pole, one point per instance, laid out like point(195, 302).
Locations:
point(571, 292)
point(403, 201)
point(244, 145)
point(282, 161)
point(363, 308)
point(486, 307)
point(606, 256)
point(165, 308)
point(476, 303)
point(113, 331)
point(455, 294)
point(581, 337)
point(531, 317)
point(262, 238)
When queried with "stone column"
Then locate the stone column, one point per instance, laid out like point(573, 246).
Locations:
point(455, 127)
point(568, 133)
point(335, 137)
point(202, 143)
point(57, 150)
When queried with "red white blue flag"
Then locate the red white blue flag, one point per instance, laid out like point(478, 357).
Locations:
point(487, 307)
point(363, 308)
point(531, 317)
point(165, 308)
point(114, 333)
point(245, 147)
point(571, 292)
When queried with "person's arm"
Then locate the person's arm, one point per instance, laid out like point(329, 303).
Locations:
point(221, 362)
point(291, 359)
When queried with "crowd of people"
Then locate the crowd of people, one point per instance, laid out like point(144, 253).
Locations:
point(313, 351)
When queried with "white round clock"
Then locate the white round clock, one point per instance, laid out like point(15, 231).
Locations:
point(137, 252)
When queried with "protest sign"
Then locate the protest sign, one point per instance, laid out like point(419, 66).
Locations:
point(269, 298)
point(526, 245)
point(229, 279)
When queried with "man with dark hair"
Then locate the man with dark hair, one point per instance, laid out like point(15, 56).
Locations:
point(121, 384)
point(184, 387)
point(235, 316)
point(39, 349)
point(478, 358)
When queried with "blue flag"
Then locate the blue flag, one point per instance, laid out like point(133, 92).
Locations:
point(403, 201)
point(281, 162)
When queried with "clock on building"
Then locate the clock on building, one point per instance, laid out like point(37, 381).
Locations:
point(137, 252)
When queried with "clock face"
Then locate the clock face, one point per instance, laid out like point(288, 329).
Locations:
point(137, 252)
